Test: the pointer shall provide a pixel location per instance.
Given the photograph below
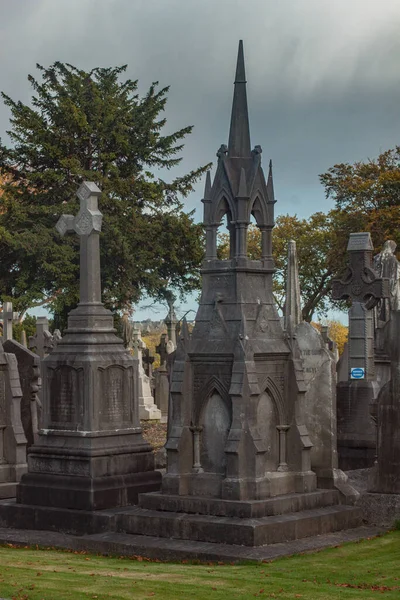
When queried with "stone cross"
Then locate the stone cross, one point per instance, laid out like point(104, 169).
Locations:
point(161, 349)
point(148, 360)
point(87, 224)
point(42, 341)
point(8, 317)
point(171, 322)
point(364, 288)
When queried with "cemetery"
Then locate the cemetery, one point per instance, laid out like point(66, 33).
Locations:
point(273, 446)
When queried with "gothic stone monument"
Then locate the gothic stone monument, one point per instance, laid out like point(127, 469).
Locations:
point(360, 283)
point(12, 438)
point(238, 449)
point(90, 453)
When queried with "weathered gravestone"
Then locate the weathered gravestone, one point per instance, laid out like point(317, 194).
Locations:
point(239, 452)
point(162, 379)
point(90, 453)
point(12, 438)
point(386, 472)
point(360, 283)
point(381, 503)
point(30, 379)
point(385, 265)
point(8, 317)
point(24, 341)
point(42, 342)
point(171, 322)
point(319, 369)
point(147, 408)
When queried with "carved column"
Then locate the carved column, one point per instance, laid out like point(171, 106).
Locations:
point(282, 430)
point(196, 430)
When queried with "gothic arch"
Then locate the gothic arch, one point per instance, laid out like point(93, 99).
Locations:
point(258, 209)
point(223, 205)
point(212, 385)
point(268, 385)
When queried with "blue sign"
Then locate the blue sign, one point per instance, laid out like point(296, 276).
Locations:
point(357, 373)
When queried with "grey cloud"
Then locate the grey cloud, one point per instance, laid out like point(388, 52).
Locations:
point(323, 80)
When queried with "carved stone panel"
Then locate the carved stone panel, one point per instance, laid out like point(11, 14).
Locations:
point(115, 395)
point(216, 421)
point(267, 420)
point(66, 391)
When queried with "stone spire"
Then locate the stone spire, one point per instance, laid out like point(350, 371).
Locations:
point(270, 184)
point(292, 302)
point(239, 133)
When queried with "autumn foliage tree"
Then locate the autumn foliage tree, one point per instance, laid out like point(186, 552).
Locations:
point(367, 197)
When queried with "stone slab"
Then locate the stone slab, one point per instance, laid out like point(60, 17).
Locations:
point(121, 544)
point(8, 490)
point(247, 532)
point(278, 505)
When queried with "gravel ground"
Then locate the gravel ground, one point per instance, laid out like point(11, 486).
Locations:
point(155, 433)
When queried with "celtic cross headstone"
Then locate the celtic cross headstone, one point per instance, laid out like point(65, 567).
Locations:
point(364, 288)
point(361, 284)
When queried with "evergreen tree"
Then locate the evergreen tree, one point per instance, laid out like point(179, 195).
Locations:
point(91, 126)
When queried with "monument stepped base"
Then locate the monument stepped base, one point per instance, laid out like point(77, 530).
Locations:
point(8, 490)
point(288, 519)
point(251, 509)
point(85, 493)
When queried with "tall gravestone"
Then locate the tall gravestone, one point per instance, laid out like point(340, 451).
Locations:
point(386, 473)
point(147, 408)
point(8, 317)
point(162, 379)
point(171, 322)
point(12, 438)
point(360, 284)
point(42, 342)
point(385, 265)
point(30, 379)
point(90, 453)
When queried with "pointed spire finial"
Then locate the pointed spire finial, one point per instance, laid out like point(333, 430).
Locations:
point(239, 133)
point(207, 187)
point(270, 184)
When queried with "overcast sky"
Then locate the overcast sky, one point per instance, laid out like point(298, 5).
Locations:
point(323, 76)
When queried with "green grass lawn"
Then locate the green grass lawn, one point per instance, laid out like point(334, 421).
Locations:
point(365, 569)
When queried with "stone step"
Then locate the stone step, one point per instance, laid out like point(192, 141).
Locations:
point(278, 505)
point(229, 530)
